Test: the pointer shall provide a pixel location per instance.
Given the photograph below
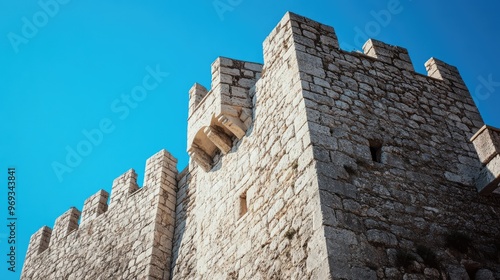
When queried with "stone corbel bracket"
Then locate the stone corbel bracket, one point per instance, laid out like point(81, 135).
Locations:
point(487, 144)
point(224, 113)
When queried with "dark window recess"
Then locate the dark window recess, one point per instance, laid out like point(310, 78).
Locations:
point(243, 204)
point(376, 151)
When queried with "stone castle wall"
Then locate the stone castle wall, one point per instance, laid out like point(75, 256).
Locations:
point(318, 164)
point(129, 239)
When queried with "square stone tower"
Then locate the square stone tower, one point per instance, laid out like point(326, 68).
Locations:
point(329, 164)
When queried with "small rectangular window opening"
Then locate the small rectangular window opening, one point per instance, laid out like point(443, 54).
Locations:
point(376, 151)
point(243, 204)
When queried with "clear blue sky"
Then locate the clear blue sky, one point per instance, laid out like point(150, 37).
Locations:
point(66, 70)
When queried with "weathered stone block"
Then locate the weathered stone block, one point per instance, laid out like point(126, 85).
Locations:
point(487, 144)
point(395, 55)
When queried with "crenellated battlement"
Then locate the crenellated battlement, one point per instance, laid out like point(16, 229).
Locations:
point(306, 33)
point(218, 116)
point(400, 58)
point(443, 71)
point(128, 205)
point(64, 225)
point(196, 95)
point(123, 186)
point(223, 113)
point(158, 172)
point(39, 241)
point(395, 55)
point(94, 206)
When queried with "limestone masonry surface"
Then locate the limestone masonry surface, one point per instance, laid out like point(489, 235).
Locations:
point(318, 164)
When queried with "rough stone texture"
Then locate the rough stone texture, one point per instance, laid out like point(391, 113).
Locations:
point(130, 240)
point(487, 144)
point(319, 164)
point(484, 274)
point(422, 188)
